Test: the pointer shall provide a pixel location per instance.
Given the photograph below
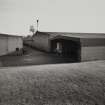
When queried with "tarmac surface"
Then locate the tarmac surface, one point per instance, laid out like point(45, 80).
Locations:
point(32, 57)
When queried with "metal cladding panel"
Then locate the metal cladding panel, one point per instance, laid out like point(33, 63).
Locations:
point(3, 46)
point(9, 44)
point(13, 43)
point(92, 42)
point(41, 41)
point(93, 53)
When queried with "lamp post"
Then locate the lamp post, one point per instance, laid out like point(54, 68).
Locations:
point(37, 24)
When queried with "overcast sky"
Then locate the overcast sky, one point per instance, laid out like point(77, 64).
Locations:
point(54, 15)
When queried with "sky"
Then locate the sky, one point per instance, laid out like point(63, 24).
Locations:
point(87, 16)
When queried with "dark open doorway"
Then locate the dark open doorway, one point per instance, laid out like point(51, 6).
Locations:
point(68, 48)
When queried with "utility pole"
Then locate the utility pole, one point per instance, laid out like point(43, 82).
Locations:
point(37, 24)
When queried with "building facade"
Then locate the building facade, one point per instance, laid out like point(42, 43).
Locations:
point(78, 46)
point(41, 41)
point(9, 43)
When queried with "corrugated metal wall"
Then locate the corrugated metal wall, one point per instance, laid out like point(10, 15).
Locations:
point(13, 43)
point(92, 53)
point(3, 45)
point(41, 42)
point(9, 44)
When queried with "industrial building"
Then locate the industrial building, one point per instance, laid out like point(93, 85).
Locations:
point(78, 46)
point(10, 43)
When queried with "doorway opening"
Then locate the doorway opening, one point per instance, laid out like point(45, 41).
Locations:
point(66, 48)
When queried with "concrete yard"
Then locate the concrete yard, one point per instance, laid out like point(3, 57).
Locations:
point(32, 57)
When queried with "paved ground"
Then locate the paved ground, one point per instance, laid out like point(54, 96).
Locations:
point(32, 57)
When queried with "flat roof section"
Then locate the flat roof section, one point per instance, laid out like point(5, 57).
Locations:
point(75, 35)
point(88, 40)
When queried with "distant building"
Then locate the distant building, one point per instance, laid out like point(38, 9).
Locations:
point(10, 43)
point(78, 46)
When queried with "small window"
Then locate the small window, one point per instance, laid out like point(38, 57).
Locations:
point(17, 49)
